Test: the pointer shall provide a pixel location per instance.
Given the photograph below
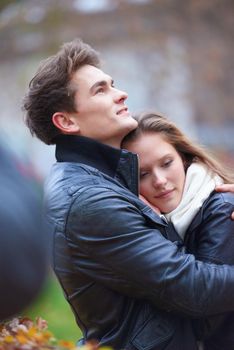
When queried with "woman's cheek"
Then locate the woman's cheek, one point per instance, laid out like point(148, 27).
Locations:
point(145, 189)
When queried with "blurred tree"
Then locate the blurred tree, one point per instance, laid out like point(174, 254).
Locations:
point(3, 3)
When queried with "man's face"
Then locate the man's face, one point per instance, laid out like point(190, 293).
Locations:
point(101, 110)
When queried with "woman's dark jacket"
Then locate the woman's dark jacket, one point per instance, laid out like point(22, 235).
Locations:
point(123, 279)
point(210, 238)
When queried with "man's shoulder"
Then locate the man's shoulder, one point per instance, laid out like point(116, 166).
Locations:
point(68, 181)
point(70, 187)
point(68, 174)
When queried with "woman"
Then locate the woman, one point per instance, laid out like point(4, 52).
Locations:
point(179, 178)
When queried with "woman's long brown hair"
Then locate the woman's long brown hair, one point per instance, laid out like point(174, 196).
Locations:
point(188, 150)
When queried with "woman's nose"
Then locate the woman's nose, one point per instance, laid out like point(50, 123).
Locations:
point(159, 179)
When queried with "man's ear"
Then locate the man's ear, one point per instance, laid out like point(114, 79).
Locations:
point(66, 122)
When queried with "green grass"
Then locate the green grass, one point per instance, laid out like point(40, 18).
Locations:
point(52, 307)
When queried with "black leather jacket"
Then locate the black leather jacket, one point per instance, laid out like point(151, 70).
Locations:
point(123, 279)
point(210, 238)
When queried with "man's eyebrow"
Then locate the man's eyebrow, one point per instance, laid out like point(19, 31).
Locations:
point(100, 83)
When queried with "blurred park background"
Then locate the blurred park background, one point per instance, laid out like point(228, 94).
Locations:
point(173, 56)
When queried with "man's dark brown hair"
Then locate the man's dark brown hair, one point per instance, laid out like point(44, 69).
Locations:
point(51, 90)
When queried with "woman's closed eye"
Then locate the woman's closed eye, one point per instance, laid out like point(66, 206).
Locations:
point(143, 174)
point(167, 163)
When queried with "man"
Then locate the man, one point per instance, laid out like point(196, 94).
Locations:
point(121, 266)
point(23, 261)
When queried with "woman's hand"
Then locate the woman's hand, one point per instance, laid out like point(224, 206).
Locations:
point(150, 205)
point(226, 188)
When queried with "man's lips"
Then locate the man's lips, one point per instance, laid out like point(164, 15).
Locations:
point(123, 110)
point(164, 194)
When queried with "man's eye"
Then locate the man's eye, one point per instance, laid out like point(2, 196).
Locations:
point(99, 91)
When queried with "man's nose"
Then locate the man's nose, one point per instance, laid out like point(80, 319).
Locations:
point(120, 95)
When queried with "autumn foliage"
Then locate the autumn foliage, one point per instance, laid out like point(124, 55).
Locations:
point(25, 334)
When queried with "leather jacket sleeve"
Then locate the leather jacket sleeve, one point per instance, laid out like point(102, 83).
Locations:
point(133, 259)
point(211, 235)
point(211, 239)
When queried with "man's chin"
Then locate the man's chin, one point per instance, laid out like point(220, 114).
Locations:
point(134, 124)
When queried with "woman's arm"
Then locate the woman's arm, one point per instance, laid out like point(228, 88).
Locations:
point(210, 236)
point(226, 188)
point(211, 239)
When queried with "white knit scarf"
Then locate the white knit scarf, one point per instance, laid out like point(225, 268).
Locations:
point(199, 183)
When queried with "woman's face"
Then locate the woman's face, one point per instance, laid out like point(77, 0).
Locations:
point(162, 173)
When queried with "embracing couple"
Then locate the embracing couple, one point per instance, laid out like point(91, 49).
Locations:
point(150, 272)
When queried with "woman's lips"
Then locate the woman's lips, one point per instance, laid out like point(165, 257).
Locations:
point(164, 194)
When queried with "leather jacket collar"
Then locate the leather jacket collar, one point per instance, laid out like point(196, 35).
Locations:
point(116, 163)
